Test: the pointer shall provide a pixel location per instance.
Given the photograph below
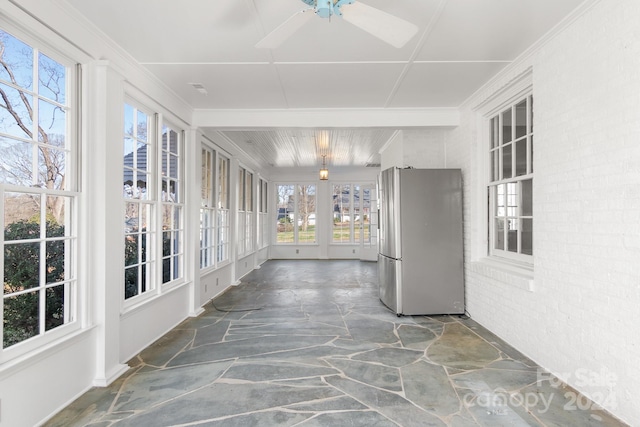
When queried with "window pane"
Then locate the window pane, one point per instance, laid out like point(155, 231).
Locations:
point(506, 162)
point(15, 119)
point(512, 199)
point(495, 165)
point(527, 197)
point(506, 126)
point(248, 193)
point(501, 206)
point(285, 205)
point(341, 214)
point(306, 213)
point(521, 157)
point(51, 168)
point(141, 131)
point(21, 318)
point(141, 157)
point(55, 261)
point(52, 124)
point(512, 234)
point(131, 217)
point(223, 183)
point(527, 236)
point(521, 119)
point(21, 216)
point(16, 167)
point(57, 209)
point(20, 56)
point(54, 311)
point(21, 265)
point(499, 234)
point(531, 154)
point(495, 134)
point(131, 250)
point(131, 282)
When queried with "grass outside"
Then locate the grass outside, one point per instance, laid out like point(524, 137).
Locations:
point(341, 234)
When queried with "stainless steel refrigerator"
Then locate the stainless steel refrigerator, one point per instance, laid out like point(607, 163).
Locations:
point(420, 260)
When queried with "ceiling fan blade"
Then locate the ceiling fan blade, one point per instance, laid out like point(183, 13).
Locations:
point(285, 30)
point(388, 28)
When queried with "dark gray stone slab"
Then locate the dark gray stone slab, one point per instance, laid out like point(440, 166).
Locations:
point(246, 348)
point(390, 356)
point(260, 419)
point(210, 334)
point(351, 419)
point(165, 348)
point(416, 337)
point(225, 400)
point(391, 405)
point(375, 375)
point(150, 388)
point(429, 387)
point(257, 372)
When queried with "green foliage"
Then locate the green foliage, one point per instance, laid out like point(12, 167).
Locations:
point(22, 272)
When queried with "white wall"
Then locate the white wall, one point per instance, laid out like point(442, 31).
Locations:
point(582, 316)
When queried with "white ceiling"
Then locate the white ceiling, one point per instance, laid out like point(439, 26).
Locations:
point(327, 64)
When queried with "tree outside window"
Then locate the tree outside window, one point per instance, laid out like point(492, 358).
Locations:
point(38, 276)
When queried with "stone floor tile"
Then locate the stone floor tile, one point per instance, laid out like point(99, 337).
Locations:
point(308, 343)
point(460, 348)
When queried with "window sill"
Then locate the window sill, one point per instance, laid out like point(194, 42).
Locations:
point(515, 274)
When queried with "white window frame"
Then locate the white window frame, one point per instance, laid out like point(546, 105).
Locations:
point(71, 192)
point(245, 213)
point(295, 219)
point(263, 211)
point(148, 202)
point(520, 88)
point(352, 206)
point(223, 212)
point(208, 208)
point(172, 203)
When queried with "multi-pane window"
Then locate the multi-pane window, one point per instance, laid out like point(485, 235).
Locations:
point(38, 191)
point(214, 209)
point(138, 192)
point(172, 204)
point(342, 202)
point(207, 210)
point(263, 230)
point(511, 181)
point(242, 218)
point(296, 213)
point(351, 208)
point(245, 211)
point(249, 212)
point(223, 226)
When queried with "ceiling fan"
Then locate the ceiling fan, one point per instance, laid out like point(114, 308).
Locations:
point(388, 28)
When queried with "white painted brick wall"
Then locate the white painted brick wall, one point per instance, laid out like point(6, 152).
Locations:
point(584, 311)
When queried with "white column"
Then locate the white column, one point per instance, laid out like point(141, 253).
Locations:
point(104, 215)
point(192, 182)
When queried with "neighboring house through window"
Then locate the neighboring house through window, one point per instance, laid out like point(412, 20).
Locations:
point(139, 196)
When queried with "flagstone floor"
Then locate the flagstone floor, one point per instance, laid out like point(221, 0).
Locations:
point(308, 343)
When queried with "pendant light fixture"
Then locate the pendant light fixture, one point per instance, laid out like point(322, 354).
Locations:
point(324, 172)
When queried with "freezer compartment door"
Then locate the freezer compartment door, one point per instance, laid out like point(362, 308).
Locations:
point(389, 279)
point(389, 236)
